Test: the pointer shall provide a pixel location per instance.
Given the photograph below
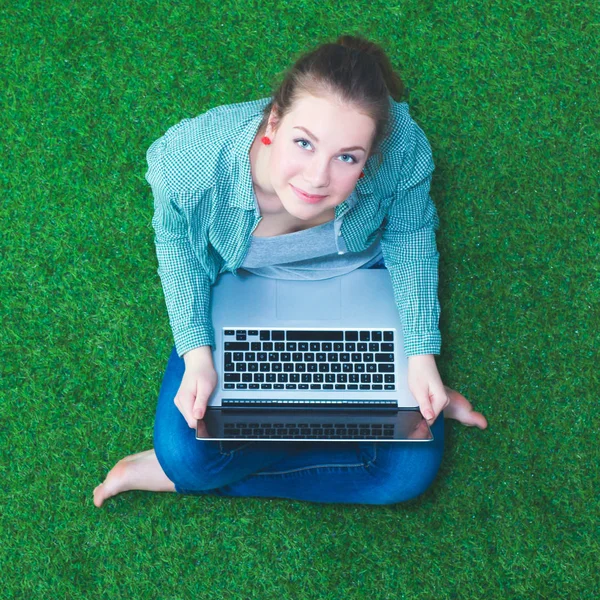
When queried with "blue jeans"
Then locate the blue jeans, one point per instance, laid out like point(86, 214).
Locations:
point(340, 472)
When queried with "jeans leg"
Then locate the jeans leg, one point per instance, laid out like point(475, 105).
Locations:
point(349, 473)
point(195, 466)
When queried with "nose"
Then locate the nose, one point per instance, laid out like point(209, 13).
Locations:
point(317, 173)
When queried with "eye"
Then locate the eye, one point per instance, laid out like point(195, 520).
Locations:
point(302, 141)
point(346, 158)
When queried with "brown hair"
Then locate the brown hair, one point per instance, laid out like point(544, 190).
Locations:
point(354, 70)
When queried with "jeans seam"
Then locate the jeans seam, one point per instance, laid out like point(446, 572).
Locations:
point(362, 464)
point(232, 451)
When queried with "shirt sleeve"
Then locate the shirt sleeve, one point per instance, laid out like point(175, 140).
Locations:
point(186, 285)
point(409, 248)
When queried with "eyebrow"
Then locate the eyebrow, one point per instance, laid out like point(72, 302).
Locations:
point(312, 135)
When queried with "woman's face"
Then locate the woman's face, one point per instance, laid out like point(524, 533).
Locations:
point(319, 148)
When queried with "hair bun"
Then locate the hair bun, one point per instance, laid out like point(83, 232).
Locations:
point(357, 43)
point(378, 54)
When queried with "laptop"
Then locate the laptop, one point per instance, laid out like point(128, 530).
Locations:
point(309, 360)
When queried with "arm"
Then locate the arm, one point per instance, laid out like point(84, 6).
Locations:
point(409, 249)
point(185, 283)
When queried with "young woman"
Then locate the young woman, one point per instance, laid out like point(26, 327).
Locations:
point(329, 175)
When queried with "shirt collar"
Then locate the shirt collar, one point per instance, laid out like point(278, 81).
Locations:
point(243, 192)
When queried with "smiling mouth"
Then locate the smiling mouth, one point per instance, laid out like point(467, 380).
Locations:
point(307, 196)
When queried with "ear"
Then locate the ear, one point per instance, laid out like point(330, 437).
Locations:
point(272, 122)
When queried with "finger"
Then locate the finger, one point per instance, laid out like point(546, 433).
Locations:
point(200, 404)
point(439, 399)
point(184, 400)
point(425, 406)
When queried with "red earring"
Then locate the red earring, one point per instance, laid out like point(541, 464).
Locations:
point(361, 175)
point(265, 140)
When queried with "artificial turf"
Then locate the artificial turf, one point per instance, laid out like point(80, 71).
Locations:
point(508, 95)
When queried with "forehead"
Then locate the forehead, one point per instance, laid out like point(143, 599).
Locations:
point(328, 117)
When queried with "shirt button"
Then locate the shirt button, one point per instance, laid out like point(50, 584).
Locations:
point(340, 252)
point(340, 233)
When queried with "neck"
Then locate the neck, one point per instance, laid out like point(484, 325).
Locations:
point(259, 163)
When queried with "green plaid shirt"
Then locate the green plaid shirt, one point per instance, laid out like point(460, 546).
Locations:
point(205, 213)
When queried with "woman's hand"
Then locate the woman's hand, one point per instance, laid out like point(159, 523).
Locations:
point(426, 386)
point(198, 383)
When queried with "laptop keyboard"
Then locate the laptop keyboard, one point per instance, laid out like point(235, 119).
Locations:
point(313, 360)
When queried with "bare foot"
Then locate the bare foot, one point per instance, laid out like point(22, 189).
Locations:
point(462, 410)
point(140, 471)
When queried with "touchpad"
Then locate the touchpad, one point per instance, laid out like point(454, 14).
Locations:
point(316, 300)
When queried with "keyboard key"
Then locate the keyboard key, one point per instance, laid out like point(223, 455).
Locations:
point(237, 346)
point(327, 336)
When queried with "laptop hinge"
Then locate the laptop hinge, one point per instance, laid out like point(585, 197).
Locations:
point(313, 404)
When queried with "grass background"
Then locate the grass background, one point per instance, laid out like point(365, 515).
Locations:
point(507, 93)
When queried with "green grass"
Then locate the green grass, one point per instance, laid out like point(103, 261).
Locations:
point(508, 95)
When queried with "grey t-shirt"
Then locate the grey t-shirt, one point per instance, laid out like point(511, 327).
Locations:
point(307, 254)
